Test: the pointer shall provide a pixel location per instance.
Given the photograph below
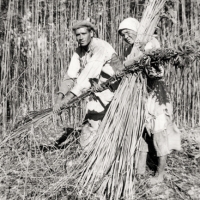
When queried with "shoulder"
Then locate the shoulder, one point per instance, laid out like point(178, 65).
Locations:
point(101, 44)
point(152, 44)
point(155, 42)
point(98, 41)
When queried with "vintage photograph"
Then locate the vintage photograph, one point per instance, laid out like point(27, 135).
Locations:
point(99, 100)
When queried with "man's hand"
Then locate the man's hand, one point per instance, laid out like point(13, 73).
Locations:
point(97, 87)
point(67, 98)
point(58, 104)
point(62, 101)
point(118, 72)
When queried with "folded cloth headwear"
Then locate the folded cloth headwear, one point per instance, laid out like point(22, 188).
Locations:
point(129, 23)
point(84, 23)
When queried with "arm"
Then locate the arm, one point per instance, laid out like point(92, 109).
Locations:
point(135, 55)
point(115, 63)
point(72, 73)
point(67, 82)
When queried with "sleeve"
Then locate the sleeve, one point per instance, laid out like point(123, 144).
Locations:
point(69, 78)
point(115, 63)
point(153, 44)
point(148, 47)
point(92, 70)
point(66, 84)
point(74, 66)
point(135, 55)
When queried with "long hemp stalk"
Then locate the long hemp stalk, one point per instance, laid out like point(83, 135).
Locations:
point(109, 168)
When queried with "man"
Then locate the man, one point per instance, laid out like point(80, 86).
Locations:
point(90, 65)
point(161, 132)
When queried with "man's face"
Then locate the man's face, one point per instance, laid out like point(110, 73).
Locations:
point(83, 36)
point(129, 36)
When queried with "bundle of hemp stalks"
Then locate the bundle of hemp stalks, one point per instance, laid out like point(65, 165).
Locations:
point(109, 167)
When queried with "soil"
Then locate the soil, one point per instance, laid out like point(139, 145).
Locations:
point(31, 164)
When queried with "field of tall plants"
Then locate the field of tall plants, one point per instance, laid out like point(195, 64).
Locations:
point(36, 44)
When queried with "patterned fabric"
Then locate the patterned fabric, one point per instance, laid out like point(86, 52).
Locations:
point(163, 133)
point(158, 105)
point(162, 142)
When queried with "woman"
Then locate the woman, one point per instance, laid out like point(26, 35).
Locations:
point(161, 133)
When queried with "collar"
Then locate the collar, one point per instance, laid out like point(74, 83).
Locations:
point(91, 45)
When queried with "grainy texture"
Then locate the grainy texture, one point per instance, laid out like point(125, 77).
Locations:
point(36, 44)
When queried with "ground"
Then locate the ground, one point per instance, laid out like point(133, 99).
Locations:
point(182, 175)
point(28, 171)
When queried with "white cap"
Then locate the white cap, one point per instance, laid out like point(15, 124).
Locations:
point(129, 23)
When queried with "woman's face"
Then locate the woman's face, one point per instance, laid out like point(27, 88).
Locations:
point(128, 35)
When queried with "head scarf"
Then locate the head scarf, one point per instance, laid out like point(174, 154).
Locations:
point(129, 23)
